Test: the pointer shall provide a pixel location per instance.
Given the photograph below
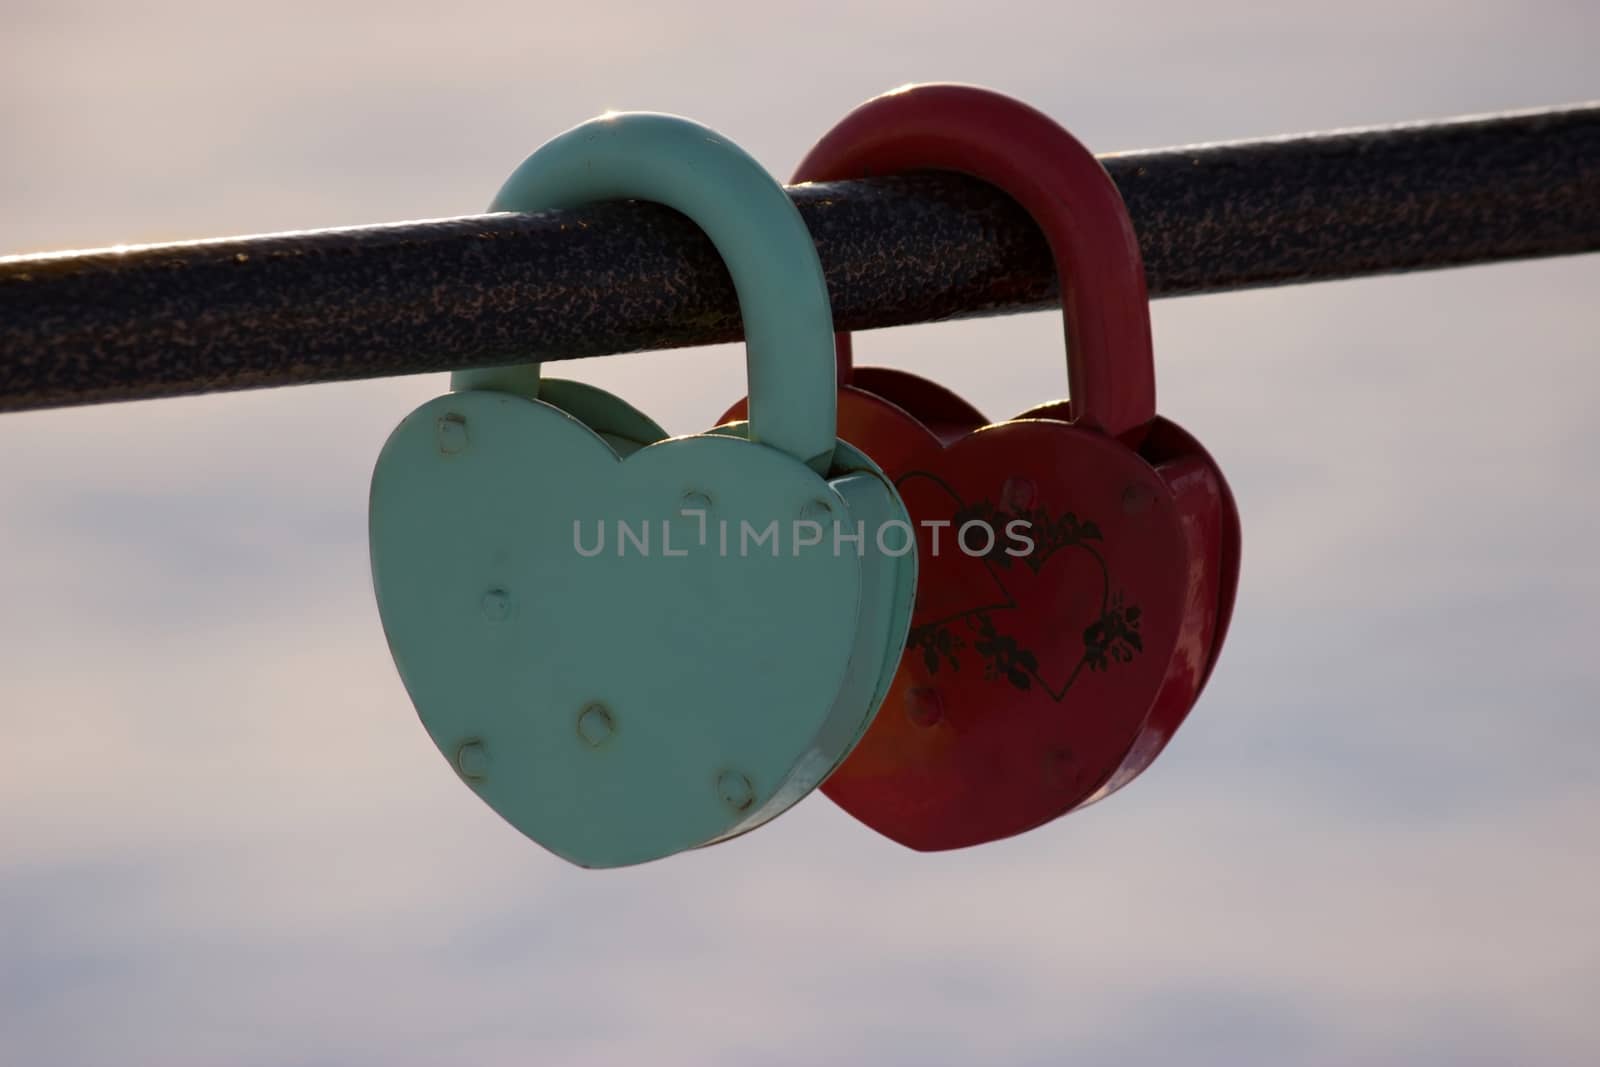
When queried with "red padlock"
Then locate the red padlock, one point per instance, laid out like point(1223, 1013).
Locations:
point(1078, 562)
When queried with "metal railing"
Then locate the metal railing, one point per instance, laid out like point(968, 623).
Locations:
point(331, 305)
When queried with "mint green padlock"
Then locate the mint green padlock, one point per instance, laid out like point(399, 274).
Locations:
point(630, 645)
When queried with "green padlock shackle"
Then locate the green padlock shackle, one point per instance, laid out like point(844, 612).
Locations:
point(788, 320)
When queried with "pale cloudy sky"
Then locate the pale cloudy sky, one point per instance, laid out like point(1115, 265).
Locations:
point(224, 839)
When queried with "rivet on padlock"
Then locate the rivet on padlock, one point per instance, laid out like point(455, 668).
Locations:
point(735, 790)
point(595, 725)
point(451, 431)
point(496, 605)
point(472, 760)
point(1092, 630)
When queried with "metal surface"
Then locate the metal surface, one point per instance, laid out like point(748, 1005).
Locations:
point(1046, 667)
point(613, 708)
point(522, 580)
point(413, 297)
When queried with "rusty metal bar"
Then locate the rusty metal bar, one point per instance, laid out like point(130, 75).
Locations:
point(333, 305)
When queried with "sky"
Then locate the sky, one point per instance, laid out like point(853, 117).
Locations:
point(225, 838)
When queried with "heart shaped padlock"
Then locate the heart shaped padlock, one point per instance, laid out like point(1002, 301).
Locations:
point(1079, 562)
point(630, 645)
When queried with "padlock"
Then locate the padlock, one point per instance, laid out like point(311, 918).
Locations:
point(1060, 641)
point(572, 598)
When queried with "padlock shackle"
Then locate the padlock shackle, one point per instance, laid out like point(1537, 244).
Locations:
point(783, 296)
point(1028, 156)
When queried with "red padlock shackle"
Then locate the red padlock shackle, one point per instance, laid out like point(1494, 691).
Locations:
point(1028, 156)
